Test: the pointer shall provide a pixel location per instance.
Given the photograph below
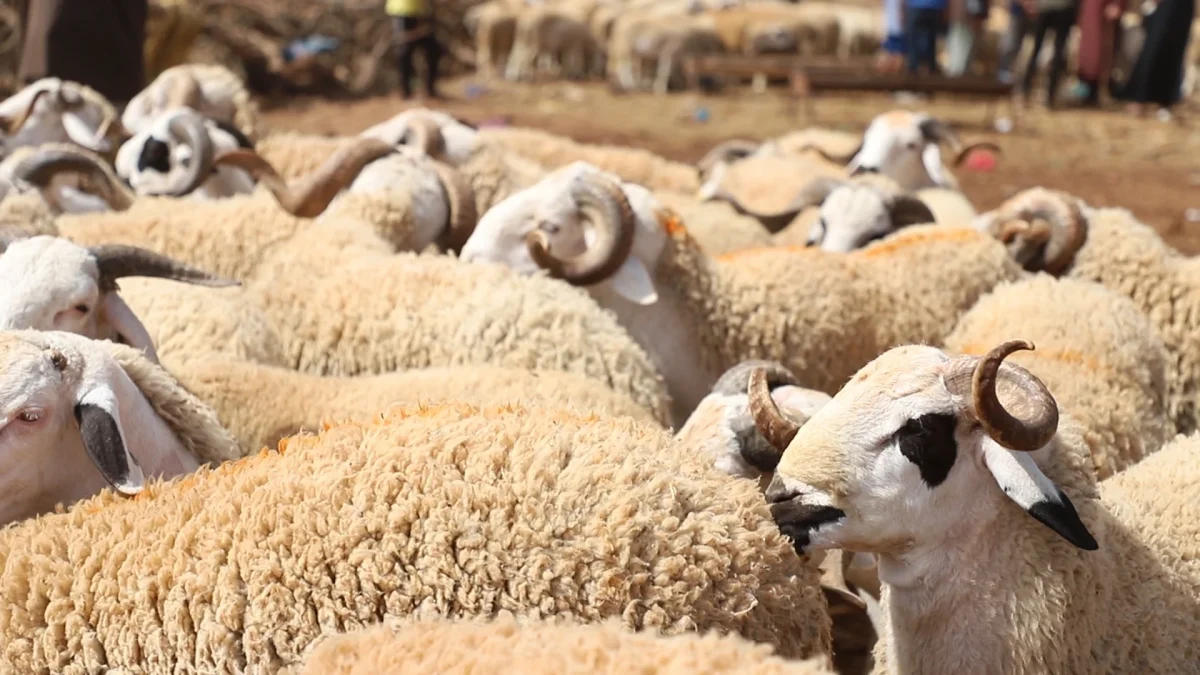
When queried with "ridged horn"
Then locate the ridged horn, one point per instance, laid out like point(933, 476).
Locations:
point(460, 205)
point(603, 203)
point(40, 168)
point(313, 193)
point(1044, 229)
point(12, 126)
point(182, 90)
point(978, 376)
point(116, 261)
point(736, 380)
point(424, 134)
point(190, 127)
point(771, 423)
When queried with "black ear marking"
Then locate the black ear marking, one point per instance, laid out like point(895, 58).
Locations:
point(928, 441)
point(103, 444)
point(1063, 519)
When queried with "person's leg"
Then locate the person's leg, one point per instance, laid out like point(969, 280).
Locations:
point(1062, 21)
point(433, 54)
point(1039, 35)
point(1010, 46)
point(932, 20)
point(404, 53)
point(912, 39)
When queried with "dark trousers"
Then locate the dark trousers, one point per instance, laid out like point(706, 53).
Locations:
point(413, 33)
point(922, 28)
point(1060, 21)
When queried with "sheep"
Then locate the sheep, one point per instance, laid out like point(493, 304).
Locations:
point(1054, 232)
point(688, 40)
point(541, 648)
point(1097, 353)
point(173, 155)
point(260, 404)
point(233, 236)
point(960, 469)
point(717, 226)
point(53, 284)
point(52, 110)
point(905, 146)
point(697, 317)
point(558, 31)
point(211, 90)
point(447, 511)
point(493, 25)
point(82, 415)
point(765, 185)
point(63, 196)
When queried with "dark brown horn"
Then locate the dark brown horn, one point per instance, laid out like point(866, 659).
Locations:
point(726, 151)
point(116, 261)
point(40, 168)
point(1064, 233)
point(965, 151)
point(460, 205)
point(604, 204)
point(190, 127)
point(424, 134)
point(14, 125)
point(310, 197)
point(1002, 426)
point(908, 210)
point(771, 423)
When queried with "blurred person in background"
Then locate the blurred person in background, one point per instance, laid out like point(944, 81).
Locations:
point(924, 20)
point(413, 22)
point(1157, 76)
point(891, 53)
point(98, 43)
point(1098, 34)
point(967, 19)
point(1051, 15)
point(1020, 20)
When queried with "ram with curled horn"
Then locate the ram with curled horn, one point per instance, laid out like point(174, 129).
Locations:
point(51, 283)
point(1042, 229)
point(40, 167)
point(52, 110)
point(150, 161)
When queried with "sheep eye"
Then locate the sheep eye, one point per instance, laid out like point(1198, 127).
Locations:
point(29, 417)
point(551, 228)
point(82, 309)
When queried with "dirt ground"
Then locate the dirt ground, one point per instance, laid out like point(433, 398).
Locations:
point(1106, 157)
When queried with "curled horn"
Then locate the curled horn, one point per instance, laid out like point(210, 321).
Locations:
point(965, 151)
point(182, 90)
point(425, 135)
point(737, 379)
point(313, 193)
point(812, 194)
point(771, 423)
point(116, 261)
point(190, 126)
point(979, 375)
point(604, 204)
point(13, 125)
point(1044, 216)
point(40, 168)
point(460, 204)
point(726, 151)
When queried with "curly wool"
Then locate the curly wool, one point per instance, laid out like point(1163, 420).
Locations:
point(717, 227)
point(1096, 352)
point(446, 511)
point(380, 314)
point(27, 213)
point(495, 174)
point(295, 155)
point(262, 404)
point(633, 165)
point(542, 648)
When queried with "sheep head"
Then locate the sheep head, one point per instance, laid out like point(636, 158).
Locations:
point(723, 427)
point(174, 154)
point(51, 110)
point(39, 167)
point(1042, 229)
point(906, 147)
point(51, 283)
point(915, 443)
point(578, 225)
point(854, 215)
point(434, 133)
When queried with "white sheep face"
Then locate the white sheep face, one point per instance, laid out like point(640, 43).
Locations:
point(892, 465)
point(851, 217)
point(50, 121)
point(49, 284)
point(152, 160)
point(499, 237)
point(896, 145)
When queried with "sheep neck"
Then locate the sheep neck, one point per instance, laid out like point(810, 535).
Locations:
point(992, 596)
point(677, 331)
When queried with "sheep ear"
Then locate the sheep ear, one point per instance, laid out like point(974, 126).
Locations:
point(908, 210)
point(1023, 482)
point(931, 157)
point(632, 281)
point(100, 426)
point(117, 315)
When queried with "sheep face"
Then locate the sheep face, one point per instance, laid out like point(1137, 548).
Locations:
point(904, 147)
point(917, 451)
point(567, 212)
point(173, 156)
point(55, 285)
point(851, 217)
point(59, 423)
point(52, 110)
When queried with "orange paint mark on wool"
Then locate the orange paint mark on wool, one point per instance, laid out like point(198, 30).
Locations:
point(904, 240)
point(767, 250)
point(671, 222)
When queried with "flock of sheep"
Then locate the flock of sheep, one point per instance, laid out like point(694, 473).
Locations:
point(641, 44)
point(450, 399)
